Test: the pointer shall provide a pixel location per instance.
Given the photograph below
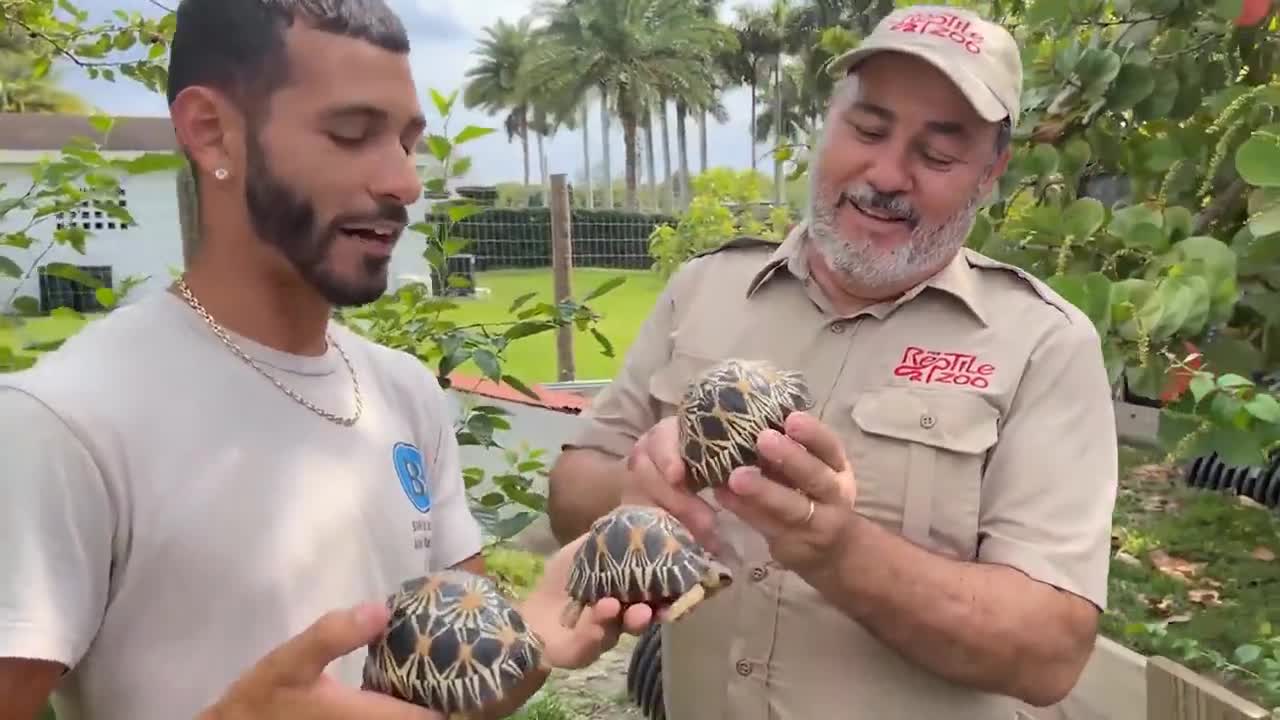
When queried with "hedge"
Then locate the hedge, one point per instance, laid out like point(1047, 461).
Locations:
point(521, 237)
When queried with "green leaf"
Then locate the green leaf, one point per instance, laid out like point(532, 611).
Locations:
point(603, 288)
point(439, 146)
point(471, 132)
point(1258, 160)
point(1232, 380)
point(1266, 222)
point(520, 386)
point(1246, 654)
point(1132, 85)
point(1146, 236)
point(1228, 9)
point(1083, 217)
point(9, 268)
point(521, 300)
point(606, 347)
point(154, 162)
point(101, 123)
point(1201, 385)
point(1051, 12)
point(443, 103)
point(1264, 407)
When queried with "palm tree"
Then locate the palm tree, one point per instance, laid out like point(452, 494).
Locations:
point(494, 81)
point(627, 49)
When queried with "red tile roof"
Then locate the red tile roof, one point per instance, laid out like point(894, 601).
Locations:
point(558, 400)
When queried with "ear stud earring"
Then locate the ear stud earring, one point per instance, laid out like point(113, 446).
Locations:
point(220, 173)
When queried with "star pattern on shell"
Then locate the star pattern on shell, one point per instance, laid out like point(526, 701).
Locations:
point(454, 644)
point(642, 554)
point(724, 410)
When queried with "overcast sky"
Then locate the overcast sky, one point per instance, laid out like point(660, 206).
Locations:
point(444, 34)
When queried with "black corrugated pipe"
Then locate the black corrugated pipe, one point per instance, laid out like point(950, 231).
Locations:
point(644, 674)
point(1259, 483)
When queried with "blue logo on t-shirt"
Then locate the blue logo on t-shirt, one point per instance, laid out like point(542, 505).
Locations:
point(412, 472)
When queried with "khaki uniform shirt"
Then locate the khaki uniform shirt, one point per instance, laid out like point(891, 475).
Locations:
point(978, 418)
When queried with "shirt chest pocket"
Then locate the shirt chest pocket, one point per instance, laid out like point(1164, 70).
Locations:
point(918, 457)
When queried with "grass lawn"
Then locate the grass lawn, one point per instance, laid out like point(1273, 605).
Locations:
point(1195, 577)
point(533, 359)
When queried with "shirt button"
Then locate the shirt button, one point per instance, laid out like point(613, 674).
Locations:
point(837, 327)
point(759, 573)
point(927, 421)
point(744, 668)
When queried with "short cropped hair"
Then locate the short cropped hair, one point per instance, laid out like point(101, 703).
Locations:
point(238, 46)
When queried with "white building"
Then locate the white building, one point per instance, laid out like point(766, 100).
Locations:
point(153, 246)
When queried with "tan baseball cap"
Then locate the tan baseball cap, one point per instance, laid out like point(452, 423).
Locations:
point(979, 56)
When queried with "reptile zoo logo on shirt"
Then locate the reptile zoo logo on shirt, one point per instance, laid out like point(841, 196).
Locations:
point(943, 368)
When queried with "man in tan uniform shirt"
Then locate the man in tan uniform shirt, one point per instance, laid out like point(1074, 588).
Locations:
point(962, 406)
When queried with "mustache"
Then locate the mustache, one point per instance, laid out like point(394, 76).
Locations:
point(386, 210)
point(889, 204)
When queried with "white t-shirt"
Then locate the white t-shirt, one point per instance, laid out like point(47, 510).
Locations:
point(168, 516)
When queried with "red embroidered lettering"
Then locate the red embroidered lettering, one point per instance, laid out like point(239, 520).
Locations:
point(944, 368)
point(948, 26)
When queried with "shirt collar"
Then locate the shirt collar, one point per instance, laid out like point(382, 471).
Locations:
point(956, 278)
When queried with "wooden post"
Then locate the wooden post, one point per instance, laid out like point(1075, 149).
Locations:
point(1174, 692)
point(562, 269)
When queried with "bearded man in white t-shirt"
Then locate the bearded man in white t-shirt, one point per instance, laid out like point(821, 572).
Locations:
point(195, 486)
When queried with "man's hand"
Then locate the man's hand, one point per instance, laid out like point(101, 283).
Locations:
point(656, 476)
point(597, 630)
point(800, 497)
point(289, 682)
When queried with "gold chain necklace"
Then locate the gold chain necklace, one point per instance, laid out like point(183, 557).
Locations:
point(226, 340)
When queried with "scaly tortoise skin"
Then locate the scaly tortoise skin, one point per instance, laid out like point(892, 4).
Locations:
point(637, 554)
point(454, 644)
point(724, 410)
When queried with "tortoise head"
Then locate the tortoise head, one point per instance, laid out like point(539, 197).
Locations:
point(716, 576)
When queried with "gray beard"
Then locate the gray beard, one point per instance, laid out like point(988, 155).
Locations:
point(873, 270)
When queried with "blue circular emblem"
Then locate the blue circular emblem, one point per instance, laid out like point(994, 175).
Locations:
point(412, 472)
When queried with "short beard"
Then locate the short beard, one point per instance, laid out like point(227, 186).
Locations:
point(874, 272)
point(287, 221)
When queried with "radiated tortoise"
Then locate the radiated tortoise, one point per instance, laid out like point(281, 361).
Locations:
point(724, 410)
point(454, 644)
point(637, 554)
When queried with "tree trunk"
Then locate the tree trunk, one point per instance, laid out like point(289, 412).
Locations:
point(629, 167)
point(702, 142)
point(669, 187)
point(777, 130)
point(542, 166)
point(588, 197)
point(682, 146)
point(524, 143)
point(648, 152)
point(188, 214)
point(754, 110)
point(604, 141)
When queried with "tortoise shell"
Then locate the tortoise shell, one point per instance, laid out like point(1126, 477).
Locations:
point(454, 644)
point(636, 554)
point(725, 409)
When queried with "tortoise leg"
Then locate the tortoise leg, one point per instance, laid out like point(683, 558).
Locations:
point(685, 602)
point(572, 611)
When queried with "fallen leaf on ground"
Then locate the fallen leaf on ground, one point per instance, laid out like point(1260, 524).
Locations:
point(1128, 559)
point(1161, 606)
point(1263, 553)
point(1175, 567)
point(1153, 472)
point(1207, 598)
